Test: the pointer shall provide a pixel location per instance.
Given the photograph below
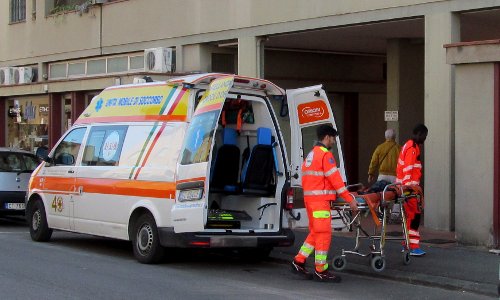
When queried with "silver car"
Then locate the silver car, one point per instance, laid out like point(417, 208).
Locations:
point(16, 167)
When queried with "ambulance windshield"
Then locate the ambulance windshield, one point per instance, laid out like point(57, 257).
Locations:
point(199, 138)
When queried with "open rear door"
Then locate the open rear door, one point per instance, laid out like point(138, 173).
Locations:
point(189, 213)
point(308, 108)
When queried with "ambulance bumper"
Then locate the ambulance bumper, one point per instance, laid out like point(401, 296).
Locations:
point(168, 238)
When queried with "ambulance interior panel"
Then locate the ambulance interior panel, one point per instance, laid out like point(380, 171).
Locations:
point(243, 176)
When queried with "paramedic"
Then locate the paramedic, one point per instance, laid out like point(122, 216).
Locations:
point(385, 159)
point(409, 171)
point(321, 181)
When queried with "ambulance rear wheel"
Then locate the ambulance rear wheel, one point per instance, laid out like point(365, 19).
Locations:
point(146, 242)
point(37, 220)
point(339, 263)
point(378, 263)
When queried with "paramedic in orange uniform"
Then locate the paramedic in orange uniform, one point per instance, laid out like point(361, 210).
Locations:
point(322, 182)
point(408, 172)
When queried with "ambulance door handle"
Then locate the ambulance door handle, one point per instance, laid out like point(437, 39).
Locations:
point(296, 175)
point(71, 171)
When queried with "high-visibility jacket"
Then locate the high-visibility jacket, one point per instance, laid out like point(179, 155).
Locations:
point(321, 179)
point(409, 168)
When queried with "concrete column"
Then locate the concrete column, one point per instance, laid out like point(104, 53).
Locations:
point(440, 29)
point(196, 58)
point(251, 56)
point(405, 84)
point(4, 119)
point(179, 59)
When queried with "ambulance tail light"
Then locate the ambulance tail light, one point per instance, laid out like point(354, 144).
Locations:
point(290, 192)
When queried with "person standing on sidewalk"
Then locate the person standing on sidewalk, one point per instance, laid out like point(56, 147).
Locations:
point(321, 181)
point(385, 159)
point(408, 172)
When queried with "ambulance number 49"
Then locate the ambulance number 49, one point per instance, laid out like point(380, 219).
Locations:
point(57, 204)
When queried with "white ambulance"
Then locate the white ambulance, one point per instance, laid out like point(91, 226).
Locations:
point(197, 161)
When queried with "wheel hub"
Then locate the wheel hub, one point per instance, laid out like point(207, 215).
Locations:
point(145, 238)
point(35, 222)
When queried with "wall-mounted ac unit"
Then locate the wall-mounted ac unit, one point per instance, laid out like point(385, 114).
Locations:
point(158, 59)
point(24, 75)
point(6, 76)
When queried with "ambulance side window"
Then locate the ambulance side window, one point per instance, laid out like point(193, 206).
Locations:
point(104, 146)
point(67, 151)
point(309, 138)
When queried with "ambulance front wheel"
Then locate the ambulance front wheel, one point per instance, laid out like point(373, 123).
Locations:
point(339, 263)
point(37, 220)
point(146, 242)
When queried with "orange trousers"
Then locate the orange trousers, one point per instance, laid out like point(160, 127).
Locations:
point(320, 234)
point(412, 211)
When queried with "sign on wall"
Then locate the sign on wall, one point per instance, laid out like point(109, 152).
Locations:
point(391, 115)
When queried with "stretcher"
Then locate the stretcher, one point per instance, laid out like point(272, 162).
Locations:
point(378, 206)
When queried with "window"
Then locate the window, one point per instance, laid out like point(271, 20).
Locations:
point(96, 66)
point(199, 138)
point(75, 69)
point(117, 64)
point(137, 62)
point(104, 146)
point(17, 11)
point(66, 152)
point(57, 71)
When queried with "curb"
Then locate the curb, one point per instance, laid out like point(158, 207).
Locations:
point(406, 277)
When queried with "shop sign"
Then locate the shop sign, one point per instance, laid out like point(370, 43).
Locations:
point(44, 109)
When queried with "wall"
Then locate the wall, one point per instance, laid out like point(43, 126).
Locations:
point(474, 152)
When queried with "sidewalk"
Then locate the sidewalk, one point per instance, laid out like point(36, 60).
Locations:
point(446, 265)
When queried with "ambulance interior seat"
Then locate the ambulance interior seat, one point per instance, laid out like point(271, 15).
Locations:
point(89, 158)
point(224, 176)
point(257, 176)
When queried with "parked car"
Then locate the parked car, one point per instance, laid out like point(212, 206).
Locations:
point(16, 167)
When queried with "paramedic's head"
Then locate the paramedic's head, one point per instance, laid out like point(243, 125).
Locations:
point(390, 134)
point(420, 133)
point(326, 135)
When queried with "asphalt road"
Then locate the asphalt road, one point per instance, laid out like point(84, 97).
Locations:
point(74, 266)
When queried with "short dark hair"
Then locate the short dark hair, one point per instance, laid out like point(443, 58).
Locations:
point(324, 130)
point(420, 128)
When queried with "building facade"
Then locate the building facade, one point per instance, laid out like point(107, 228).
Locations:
point(375, 58)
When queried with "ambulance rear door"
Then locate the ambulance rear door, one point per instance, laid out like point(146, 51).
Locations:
point(189, 213)
point(308, 108)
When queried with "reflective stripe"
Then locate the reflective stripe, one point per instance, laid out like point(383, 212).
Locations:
point(324, 149)
point(409, 168)
point(341, 190)
point(417, 165)
point(414, 182)
point(331, 171)
point(320, 257)
point(407, 177)
point(413, 232)
point(414, 241)
point(321, 214)
point(313, 173)
point(319, 192)
point(401, 162)
point(306, 249)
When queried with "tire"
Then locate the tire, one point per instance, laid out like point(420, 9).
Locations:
point(145, 240)
point(406, 257)
point(378, 263)
point(339, 263)
point(37, 221)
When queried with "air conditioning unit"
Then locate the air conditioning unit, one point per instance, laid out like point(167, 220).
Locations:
point(23, 75)
point(158, 59)
point(6, 76)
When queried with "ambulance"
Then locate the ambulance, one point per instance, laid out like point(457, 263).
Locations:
point(196, 161)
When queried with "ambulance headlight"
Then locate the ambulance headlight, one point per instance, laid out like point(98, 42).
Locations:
point(190, 195)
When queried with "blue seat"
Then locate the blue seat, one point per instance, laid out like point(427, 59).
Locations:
point(258, 176)
point(224, 175)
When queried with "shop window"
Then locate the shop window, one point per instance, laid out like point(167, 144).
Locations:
point(104, 146)
point(66, 152)
point(17, 11)
point(27, 123)
point(117, 64)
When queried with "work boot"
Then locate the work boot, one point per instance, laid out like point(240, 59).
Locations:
point(326, 276)
point(300, 269)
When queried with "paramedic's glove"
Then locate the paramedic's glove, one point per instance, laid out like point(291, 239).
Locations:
point(354, 206)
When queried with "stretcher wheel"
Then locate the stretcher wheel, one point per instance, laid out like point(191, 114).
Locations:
point(378, 263)
point(406, 257)
point(339, 263)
